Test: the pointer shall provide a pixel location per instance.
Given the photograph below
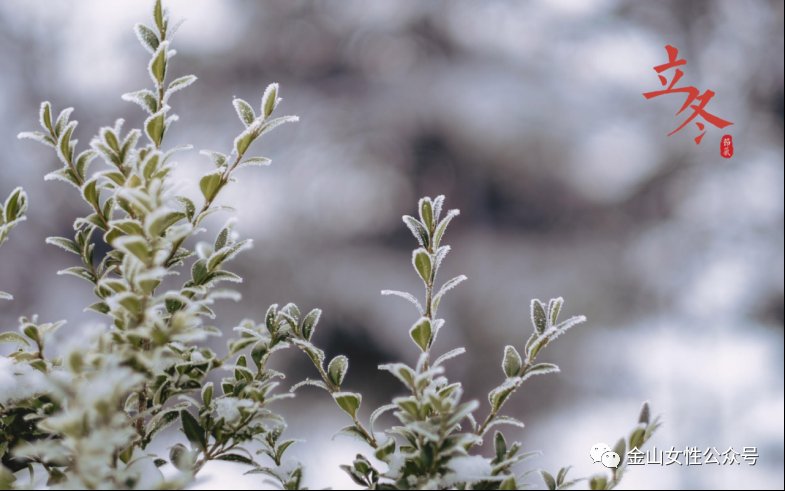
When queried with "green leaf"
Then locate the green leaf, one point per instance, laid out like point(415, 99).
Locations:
point(233, 457)
point(282, 448)
point(337, 368)
point(83, 161)
point(417, 229)
point(269, 99)
point(79, 272)
point(160, 221)
point(210, 184)
point(499, 395)
point(12, 337)
point(64, 142)
point(309, 323)
point(500, 445)
point(550, 482)
point(645, 414)
point(160, 422)
point(62, 120)
point(180, 83)
point(385, 450)
point(45, 116)
point(426, 212)
point(349, 402)
point(637, 438)
point(255, 162)
point(65, 244)
point(15, 205)
point(199, 272)
point(508, 484)
point(562, 474)
point(207, 394)
point(421, 333)
point(193, 431)
point(157, 65)
point(540, 369)
point(38, 137)
point(538, 316)
point(554, 307)
point(244, 139)
point(134, 245)
point(422, 264)
point(90, 192)
point(244, 111)
point(144, 98)
point(158, 16)
point(100, 307)
point(154, 127)
point(188, 206)
point(505, 420)
point(621, 450)
point(512, 361)
point(315, 354)
point(442, 227)
point(32, 332)
point(402, 372)
point(147, 37)
point(598, 481)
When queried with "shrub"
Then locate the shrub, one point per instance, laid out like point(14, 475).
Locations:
point(85, 417)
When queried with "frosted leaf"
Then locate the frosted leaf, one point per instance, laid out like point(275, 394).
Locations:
point(570, 323)
point(406, 296)
point(62, 120)
point(504, 420)
point(449, 355)
point(538, 317)
point(224, 294)
point(144, 98)
point(540, 369)
point(179, 84)
point(255, 162)
point(274, 123)
point(441, 253)
point(403, 372)
point(157, 66)
point(554, 307)
point(37, 136)
point(218, 158)
point(307, 382)
point(449, 285)
point(244, 111)
point(270, 100)
point(438, 203)
point(417, 229)
point(244, 139)
point(147, 37)
point(442, 227)
point(380, 411)
point(45, 116)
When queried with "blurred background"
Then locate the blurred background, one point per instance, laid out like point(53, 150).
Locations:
point(529, 117)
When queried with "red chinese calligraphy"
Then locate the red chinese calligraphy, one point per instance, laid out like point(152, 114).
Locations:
point(726, 146)
point(694, 99)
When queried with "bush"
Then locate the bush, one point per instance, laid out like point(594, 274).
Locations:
point(86, 418)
